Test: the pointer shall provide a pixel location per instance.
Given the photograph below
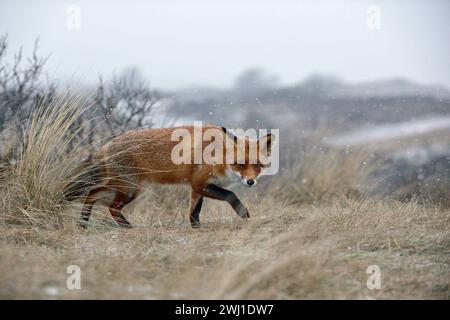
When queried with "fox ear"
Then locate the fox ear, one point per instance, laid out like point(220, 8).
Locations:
point(265, 143)
point(228, 133)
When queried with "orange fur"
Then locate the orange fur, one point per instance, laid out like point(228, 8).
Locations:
point(139, 156)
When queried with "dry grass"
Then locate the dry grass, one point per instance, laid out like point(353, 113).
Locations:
point(304, 240)
point(283, 252)
point(327, 175)
point(33, 188)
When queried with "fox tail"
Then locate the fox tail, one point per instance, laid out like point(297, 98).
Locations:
point(87, 175)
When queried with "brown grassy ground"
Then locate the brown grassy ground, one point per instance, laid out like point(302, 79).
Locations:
point(283, 252)
point(312, 234)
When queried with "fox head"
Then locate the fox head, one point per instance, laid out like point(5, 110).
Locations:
point(250, 157)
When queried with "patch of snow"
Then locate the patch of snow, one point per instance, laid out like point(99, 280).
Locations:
point(390, 131)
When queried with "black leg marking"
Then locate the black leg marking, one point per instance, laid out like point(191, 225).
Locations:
point(87, 207)
point(121, 200)
point(85, 214)
point(216, 192)
point(195, 214)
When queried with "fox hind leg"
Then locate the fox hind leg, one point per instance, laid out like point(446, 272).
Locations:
point(121, 199)
point(88, 205)
point(196, 207)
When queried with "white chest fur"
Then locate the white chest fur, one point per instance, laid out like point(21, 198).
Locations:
point(226, 180)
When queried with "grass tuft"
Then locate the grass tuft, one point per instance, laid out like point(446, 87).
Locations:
point(33, 187)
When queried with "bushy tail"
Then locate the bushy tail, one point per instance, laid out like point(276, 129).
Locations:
point(89, 175)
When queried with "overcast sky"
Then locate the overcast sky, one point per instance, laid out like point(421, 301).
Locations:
point(206, 42)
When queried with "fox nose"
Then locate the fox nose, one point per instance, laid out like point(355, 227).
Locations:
point(250, 182)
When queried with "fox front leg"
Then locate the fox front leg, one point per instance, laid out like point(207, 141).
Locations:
point(215, 192)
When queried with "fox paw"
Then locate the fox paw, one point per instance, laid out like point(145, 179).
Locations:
point(242, 212)
point(125, 225)
point(195, 224)
point(83, 223)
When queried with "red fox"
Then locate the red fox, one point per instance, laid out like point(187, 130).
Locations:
point(123, 165)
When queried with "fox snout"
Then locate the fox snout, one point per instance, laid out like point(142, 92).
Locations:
point(249, 182)
point(248, 174)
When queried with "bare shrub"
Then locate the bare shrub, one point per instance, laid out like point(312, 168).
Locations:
point(125, 102)
point(21, 88)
